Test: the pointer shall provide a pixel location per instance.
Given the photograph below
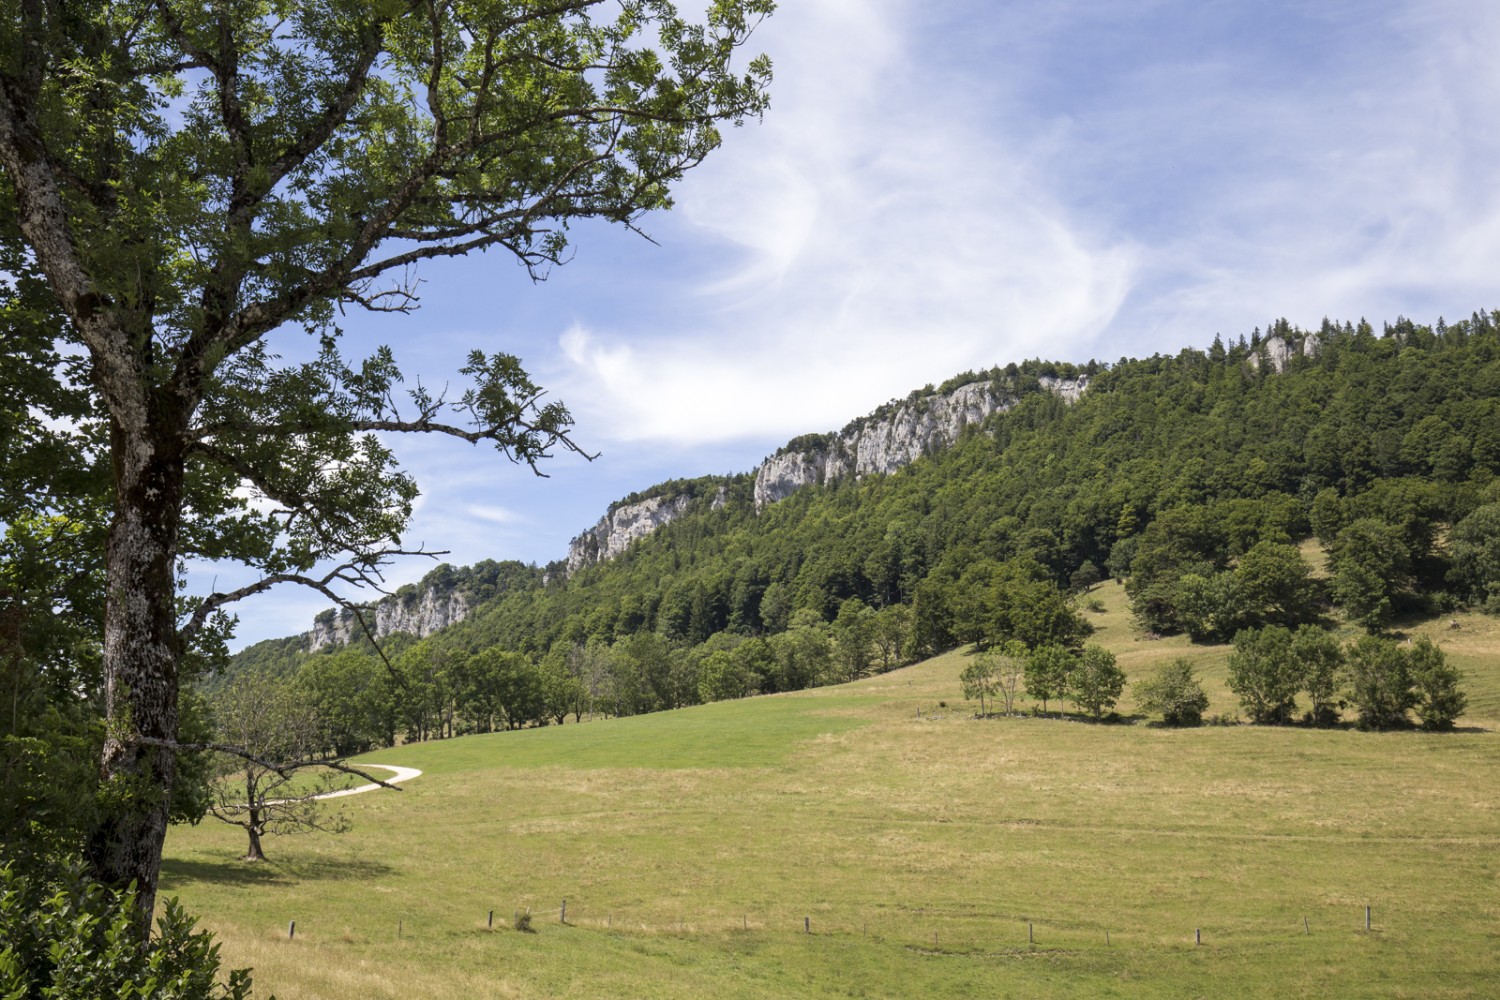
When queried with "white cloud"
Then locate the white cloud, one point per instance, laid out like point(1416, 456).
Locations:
point(886, 238)
point(494, 514)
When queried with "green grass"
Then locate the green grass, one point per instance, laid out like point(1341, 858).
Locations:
point(691, 846)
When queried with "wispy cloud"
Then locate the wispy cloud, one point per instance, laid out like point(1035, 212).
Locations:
point(880, 237)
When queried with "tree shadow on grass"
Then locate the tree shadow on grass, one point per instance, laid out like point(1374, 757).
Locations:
point(176, 872)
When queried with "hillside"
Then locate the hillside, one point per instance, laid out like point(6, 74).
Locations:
point(1194, 477)
point(930, 852)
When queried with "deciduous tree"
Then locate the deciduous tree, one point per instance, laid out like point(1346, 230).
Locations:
point(183, 179)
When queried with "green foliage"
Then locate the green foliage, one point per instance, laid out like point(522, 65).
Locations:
point(1174, 694)
point(1371, 570)
point(1320, 661)
point(1047, 670)
point(1096, 682)
point(1379, 682)
point(1265, 675)
point(1439, 698)
point(1474, 544)
point(74, 938)
point(979, 681)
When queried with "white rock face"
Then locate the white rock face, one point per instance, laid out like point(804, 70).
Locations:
point(1278, 352)
point(917, 427)
point(428, 612)
point(617, 529)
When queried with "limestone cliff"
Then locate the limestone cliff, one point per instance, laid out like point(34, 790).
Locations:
point(444, 597)
point(631, 519)
point(1278, 352)
point(894, 436)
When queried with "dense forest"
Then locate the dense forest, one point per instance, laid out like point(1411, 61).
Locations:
point(1190, 477)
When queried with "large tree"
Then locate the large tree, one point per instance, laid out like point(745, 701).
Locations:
point(180, 179)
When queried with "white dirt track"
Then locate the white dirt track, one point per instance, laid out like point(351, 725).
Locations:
point(399, 775)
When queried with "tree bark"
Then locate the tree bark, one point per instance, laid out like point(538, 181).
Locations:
point(141, 651)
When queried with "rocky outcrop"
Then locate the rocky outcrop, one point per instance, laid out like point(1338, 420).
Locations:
point(621, 526)
point(1278, 352)
point(627, 521)
point(419, 613)
point(894, 436)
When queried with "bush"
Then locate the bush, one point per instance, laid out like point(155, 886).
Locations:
point(1435, 683)
point(71, 937)
point(1096, 682)
point(1380, 683)
point(1174, 694)
point(1265, 675)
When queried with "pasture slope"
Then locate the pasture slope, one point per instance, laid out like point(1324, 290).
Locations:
point(929, 853)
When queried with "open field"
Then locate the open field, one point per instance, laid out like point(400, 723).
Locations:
point(691, 846)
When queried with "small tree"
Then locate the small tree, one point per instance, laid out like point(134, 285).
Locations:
point(1173, 693)
point(1010, 664)
point(267, 779)
point(1047, 670)
point(1379, 683)
point(1439, 699)
point(1319, 661)
point(1096, 683)
point(978, 680)
point(1263, 672)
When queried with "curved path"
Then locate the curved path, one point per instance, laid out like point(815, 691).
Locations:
point(400, 774)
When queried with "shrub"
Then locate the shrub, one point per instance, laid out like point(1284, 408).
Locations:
point(1380, 683)
point(1435, 683)
point(1174, 694)
point(1096, 683)
point(71, 937)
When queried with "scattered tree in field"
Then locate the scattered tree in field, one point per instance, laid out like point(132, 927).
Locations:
point(181, 180)
point(1265, 675)
point(1439, 699)
point(1096, 683)
point(1320, 661)
point(1047, 670)
point(1379, 683)
point(1010, 664)
point(270, 783)
point(979, 681)
point(1174, 694)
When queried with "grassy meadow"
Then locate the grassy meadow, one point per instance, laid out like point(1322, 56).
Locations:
point(930, 853)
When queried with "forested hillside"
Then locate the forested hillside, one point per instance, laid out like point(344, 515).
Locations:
point(1191, 477)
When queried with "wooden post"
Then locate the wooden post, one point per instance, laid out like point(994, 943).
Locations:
point(1305, 929)
point(745, 920)
point(1106, 939)
point(399, 929)
point(1030, 933)
point(490, 923)
point(1197, 935)
point(934, 939)
point(291, 930)
point(562, 917)
point(1367, 918)
point(807, 925)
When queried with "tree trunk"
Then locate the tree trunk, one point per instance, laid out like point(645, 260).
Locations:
point(254, 853)
point(141, 654)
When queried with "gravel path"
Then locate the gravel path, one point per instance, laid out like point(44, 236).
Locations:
point(399, 775)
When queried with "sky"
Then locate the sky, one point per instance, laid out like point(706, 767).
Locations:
point(944, 185)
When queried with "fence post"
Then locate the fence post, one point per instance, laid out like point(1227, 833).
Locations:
point(562, 917)
point(1030, 933)
point(807, 925)
point(1197, 935)
point(291, 930)
point(490, 923)
point(1367, 918)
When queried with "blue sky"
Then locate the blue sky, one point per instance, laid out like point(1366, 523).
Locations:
point(945, 185)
